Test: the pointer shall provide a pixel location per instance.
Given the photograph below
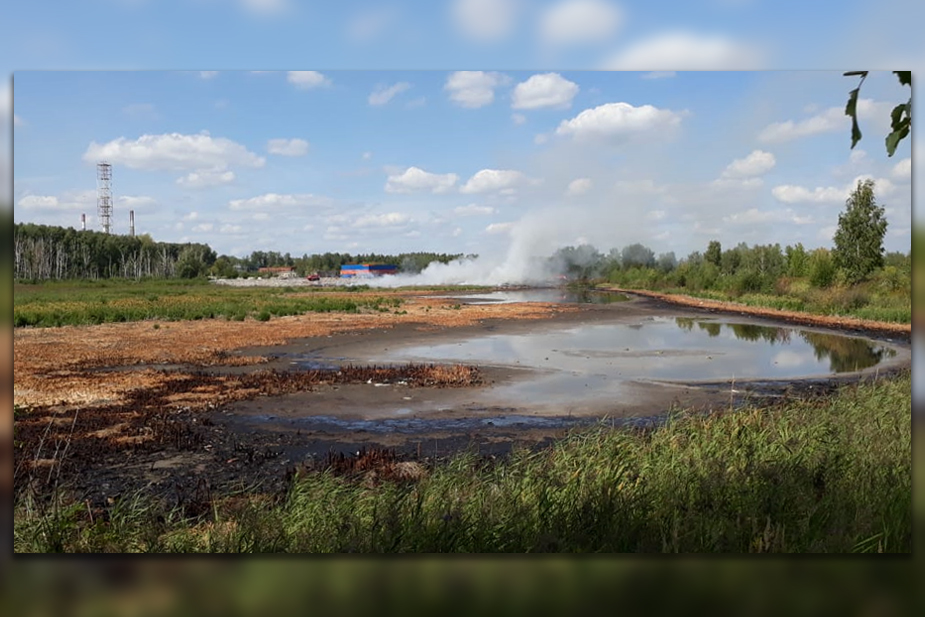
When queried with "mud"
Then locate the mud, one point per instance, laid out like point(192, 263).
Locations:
point(213, 407)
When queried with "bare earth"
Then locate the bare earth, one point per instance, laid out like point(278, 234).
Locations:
point(173, 407)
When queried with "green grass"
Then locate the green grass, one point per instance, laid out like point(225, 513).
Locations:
point(96, 302)
point(822, 475)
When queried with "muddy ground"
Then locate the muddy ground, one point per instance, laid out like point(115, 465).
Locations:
point(187, 410)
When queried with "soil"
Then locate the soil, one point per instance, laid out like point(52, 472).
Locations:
point(184, 411)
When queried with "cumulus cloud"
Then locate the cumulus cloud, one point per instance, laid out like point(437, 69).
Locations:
point(204, 227)
point(384, 94)
point(174, 151)
point(579, 186)
point(415, 179)
point(82, 200)
point(615, 122)
point(789, 193)
point(902, 171)
point(287, 147)
point(686, 51)
point(499, 228)
point(473, 210)
point(576, 22)
point(229, 228)
point(485, 20)
point(544, 90)
point(754, 216)
point(208, 74)
point(519, 119)
point(306, 80)
point(391, 219)
point(276, 201)
point(473, 89)
point(757, 163)
point(490, 180)
point(206, 178)
point(831, 120)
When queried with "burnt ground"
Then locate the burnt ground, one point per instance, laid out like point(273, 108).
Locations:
point(185, 430)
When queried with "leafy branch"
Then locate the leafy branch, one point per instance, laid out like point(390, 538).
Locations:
point(901, 115)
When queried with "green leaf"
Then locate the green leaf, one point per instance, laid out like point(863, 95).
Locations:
point(893, 139)
point(905, 77)
point(851, 109)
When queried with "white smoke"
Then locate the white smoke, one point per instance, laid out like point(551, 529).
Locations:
point(525, 261)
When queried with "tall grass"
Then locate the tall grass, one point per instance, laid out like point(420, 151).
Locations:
point(96, 302)
point(823, 475)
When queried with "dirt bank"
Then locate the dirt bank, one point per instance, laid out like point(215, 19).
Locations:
point(805, 319)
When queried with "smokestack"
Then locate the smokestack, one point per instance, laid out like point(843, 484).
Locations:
point(131, 223)
point(83, 222)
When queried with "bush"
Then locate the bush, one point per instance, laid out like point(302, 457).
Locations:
point(821, 269)
point(264, 315)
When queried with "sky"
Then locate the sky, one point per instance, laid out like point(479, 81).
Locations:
point(352, 147)
point(457, 161)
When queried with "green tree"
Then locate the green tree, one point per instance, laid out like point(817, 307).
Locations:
point(859, 237)
point(714, 254)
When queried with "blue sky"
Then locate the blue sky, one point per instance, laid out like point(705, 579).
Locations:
point(58, 116)
point(393, 161)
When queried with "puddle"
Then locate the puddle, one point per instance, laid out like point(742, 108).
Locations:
point(593, 362)
point(554, 295)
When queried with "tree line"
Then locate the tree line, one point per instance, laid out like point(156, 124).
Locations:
point(47, 252)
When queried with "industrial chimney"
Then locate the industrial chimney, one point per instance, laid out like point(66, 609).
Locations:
point(131, 223)
point(83, 222)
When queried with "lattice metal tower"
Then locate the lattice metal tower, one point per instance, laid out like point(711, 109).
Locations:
point(104, 195)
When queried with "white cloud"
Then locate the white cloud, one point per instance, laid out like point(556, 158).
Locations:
point(902, 171)
point(754, 216)
point(415, 179)
point(42, 202)
point(173, 151)
point(519, 119)
point(575, 22)
point(645, 186)
point(499, 228)
point(415, 103)
point(831, 120)
point(757, 163)
point(791, 194)
point(617, 122)
point(382, 95)
point(305, 80)
point(485, 20)
point(473, 210)
point(192, 216)
point(276, 201)
point(579, 186)
point(686, 51)
point(392, 219)
point(659, 75)
point(203, 227)
point(228, 228)
point(473, 89)
point(540, 139)
point(287, 147)
point(366, 156)
point(797, 194)
point(544, 90)
point(208, 74)
point(656, 215)
point(205, 178)
point(488, 180)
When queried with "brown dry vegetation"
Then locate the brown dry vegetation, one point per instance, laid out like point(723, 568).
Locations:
point(87, 393)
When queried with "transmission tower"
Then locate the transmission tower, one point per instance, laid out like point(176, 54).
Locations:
point(104, 195)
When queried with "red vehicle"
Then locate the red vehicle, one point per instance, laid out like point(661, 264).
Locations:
point(314, 277)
